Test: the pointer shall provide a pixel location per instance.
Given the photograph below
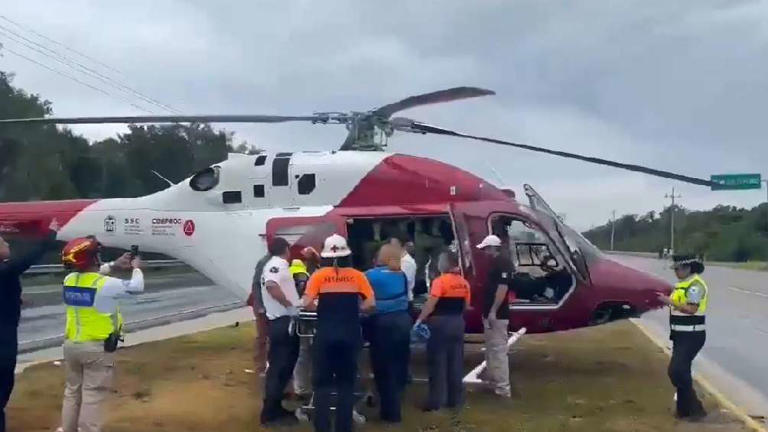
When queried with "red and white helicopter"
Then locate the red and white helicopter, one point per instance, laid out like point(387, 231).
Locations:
point(220, 219)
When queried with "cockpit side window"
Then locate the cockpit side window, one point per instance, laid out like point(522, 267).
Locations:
point(205, 180)
point(542, 277)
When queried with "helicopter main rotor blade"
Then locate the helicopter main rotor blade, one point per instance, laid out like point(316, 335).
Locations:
point(447, 95)
point(408, 125)
point(167, 119)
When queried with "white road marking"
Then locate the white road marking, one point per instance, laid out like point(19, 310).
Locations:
point(748, 292)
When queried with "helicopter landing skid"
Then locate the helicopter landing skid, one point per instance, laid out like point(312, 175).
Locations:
point(473, 377)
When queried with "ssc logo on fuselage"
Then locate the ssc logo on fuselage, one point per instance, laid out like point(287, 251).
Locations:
point(110, 224)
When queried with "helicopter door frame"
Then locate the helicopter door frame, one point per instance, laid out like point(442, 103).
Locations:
point(303, 231)
point(574, 254)
point(554, 245)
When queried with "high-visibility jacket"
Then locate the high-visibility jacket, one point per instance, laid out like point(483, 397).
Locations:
point(680, 321)
point(85, 323)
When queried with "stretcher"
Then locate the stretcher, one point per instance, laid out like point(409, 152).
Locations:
point(305, 327)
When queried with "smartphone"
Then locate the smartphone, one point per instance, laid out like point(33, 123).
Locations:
point(134, 251)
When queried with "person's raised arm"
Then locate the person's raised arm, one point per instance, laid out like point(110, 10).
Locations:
point(23, 263)
point(114, 287)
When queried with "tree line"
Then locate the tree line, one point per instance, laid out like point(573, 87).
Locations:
point(46, 162)
point(724, 233)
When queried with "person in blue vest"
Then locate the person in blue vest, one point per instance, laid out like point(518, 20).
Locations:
point(390, 327)
point(687, 324)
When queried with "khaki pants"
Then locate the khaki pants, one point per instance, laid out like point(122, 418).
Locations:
point(302, 372)
point(90, 373)
point(496, 355)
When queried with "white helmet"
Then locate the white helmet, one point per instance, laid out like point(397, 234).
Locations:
point(335, 246)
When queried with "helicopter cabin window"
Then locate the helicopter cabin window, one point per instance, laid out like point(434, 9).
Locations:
point(205, 180)
point(280, 169)
point(231, 197)
point(260, 160)
point(258, 191)
point(541, 274)
point(430, 235)
point(306, 184)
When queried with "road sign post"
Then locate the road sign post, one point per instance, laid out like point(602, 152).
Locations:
point(736, 181)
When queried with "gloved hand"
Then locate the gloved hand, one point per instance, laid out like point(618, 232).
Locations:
point(420, 332)
point(293, 311)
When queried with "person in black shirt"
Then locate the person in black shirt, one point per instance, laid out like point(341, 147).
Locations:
point(11, 269)
point(496, 316)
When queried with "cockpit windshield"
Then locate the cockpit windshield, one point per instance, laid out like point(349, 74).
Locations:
point(581, 251)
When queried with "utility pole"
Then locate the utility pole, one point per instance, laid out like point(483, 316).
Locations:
point(672, 220)
point(613, 226)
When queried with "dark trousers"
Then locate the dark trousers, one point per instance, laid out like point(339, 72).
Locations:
point(390, 353)
point(685, 347)
point(334, 369)
point(283, 352)
point(8, 351)
point(445, 357)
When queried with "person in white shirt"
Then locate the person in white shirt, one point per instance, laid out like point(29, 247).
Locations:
point(407, 263)
point(281, 302)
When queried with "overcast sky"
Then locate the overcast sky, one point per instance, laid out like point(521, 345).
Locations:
point(680, 86)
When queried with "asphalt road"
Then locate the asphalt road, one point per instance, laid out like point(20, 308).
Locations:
point(165, 298)
point(735, 356)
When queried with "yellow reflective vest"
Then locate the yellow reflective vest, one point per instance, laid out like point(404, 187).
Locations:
point(85, 323)
point(680, 321)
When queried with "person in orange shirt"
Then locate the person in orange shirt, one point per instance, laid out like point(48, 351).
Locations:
point(338, 288)
point(443, 312)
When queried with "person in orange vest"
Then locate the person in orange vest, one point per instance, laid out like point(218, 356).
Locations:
point(443, 313)
point(338, 289)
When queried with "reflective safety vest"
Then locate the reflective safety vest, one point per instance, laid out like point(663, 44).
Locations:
point(85, 323)
point(682, 322)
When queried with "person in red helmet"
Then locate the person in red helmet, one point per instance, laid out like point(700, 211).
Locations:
point(93, 329)
point(11, 268)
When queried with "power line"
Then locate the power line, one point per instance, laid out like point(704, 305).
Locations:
point(23, 27)
point(58, 72)
point(75, 65)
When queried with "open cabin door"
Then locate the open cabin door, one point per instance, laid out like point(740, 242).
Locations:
point(306, 231)
point(549, 217)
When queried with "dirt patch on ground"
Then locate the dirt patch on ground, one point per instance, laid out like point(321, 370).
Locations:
point(608, 378)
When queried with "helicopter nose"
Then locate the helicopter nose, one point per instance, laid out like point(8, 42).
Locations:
point(639, 288)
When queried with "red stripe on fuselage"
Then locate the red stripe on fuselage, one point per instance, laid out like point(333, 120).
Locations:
point(32, 218)
point(401, 180)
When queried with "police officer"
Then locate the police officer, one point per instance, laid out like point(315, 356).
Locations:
point(281, 301)
point(688, 307)
point(302, 373)
point(11, 269)
point(390, 329)
point(93, 328)
point(496, 315)
point(449, 296)
point(338, 288)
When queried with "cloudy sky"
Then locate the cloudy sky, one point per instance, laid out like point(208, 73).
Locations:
point(675, 85)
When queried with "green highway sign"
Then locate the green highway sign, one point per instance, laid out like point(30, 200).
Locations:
point(735, 181)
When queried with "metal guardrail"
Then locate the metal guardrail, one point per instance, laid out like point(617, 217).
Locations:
point(58, 268)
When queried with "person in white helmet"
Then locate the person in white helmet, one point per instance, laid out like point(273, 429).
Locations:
point(338, 288)
point(496, 315)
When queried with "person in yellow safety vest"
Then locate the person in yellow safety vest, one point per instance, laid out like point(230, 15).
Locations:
point(688, 307)
point(93, 328)
point(302, 372)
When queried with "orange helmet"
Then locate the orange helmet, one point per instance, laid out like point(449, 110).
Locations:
point(81, 253)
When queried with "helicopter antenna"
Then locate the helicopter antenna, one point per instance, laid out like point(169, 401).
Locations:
point(163, 178)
